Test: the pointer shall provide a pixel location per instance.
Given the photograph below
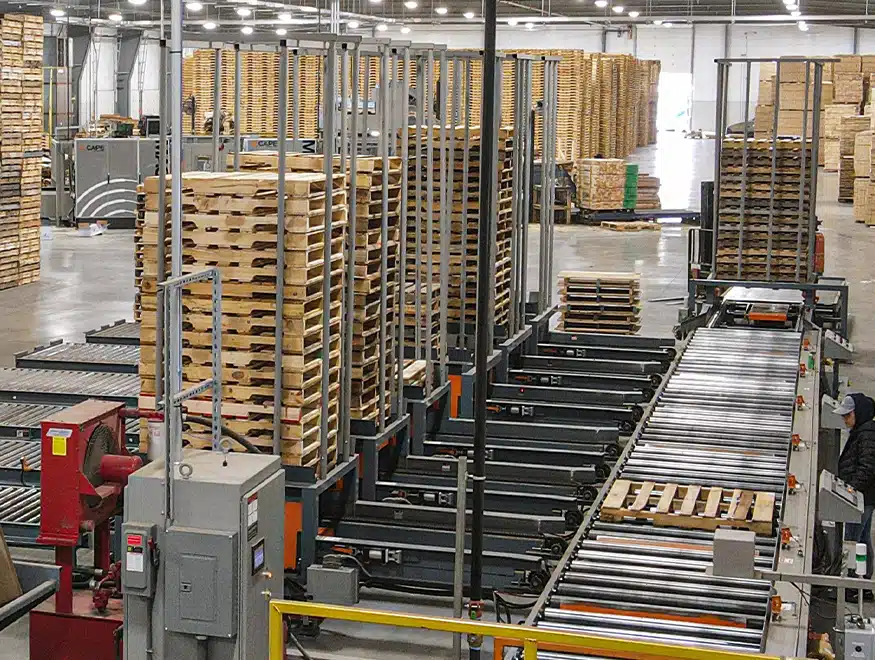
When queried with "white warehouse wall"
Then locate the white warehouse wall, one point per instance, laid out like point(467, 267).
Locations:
point(148, 59)
point(97, 84)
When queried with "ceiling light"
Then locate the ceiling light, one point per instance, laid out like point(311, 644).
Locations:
point(617, 9)
point(530, 26)
point(657, 22)
point(381, 27)
point(285, 17)
point(376, 2)
point(193, 6)
point(405, 30)
point(137, 2)
point(57, 13)
point(803, 26)
point(469, 15)
point(634, 14)
point(115, 18)
point(246, 29)
point(209, 25)
point(601, 4)
point(281, 31)
point(512, 21)
point(440, 10)
point(796, 14)
point(668, 25)
point(244, 11)
point(792, 7)
point(411, 4)
point(353, 25)
point(309, 10)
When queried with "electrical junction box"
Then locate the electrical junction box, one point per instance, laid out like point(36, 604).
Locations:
point(218, 563)
point(859, 642)
point(333, 585)
point(734, 552)
point(138, 559)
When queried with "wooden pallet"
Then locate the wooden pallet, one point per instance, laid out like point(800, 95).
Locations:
point(631, 226)
point(689, 506)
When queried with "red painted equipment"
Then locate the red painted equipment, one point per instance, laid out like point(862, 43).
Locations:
point(85, 467)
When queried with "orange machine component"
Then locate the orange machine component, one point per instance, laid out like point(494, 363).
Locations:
point(819, 253)
point(706, 619)
point(455, 394)
point(293, 526)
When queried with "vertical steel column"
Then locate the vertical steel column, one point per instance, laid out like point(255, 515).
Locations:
point(347, 298)
point(526, 156)
point(383, 152)
point(516, 201)
point(743, 202)
point(238, 74)
point(484, 295)
point(296, 98)
point(160, 356)
point(350, 261)
point(429, 209)
point(282, 131)
point(344, 127)
point(367, 103)
point(445, 218)
point(417, 196)
point(450, 122)
point(774, 168)
point(498, 164)
point(401, 261)
point(217, 110)
point(720, 130)
point(802, 173)
point(466, 163)
point(815, 146)
point(397, 280)
point(548, 161)
point(328, 162)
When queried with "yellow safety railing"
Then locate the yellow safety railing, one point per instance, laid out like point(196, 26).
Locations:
point(506, 635)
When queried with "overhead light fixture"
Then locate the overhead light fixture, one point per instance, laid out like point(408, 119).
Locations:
point(57, 13)
point(192, 6)
point(382, 27)
point(353, 25)
point(657, 22)
point(115, 18)
point(469, 15)
point(209, 25)
point(668, 25)
point(405, 30)
point(411, 4)
point(137, 2)
point(796, 14)
point(803, 26)
point(246, 29)
point(512, 22)
point(244, 11)
point(309, 10)
point(440, 10)
point(530, 26)
point(634, 14)
point(281, 32)
point(792, 7)
point(617, 9)
point(375, 2)
point(285, 17)
point(601, 4)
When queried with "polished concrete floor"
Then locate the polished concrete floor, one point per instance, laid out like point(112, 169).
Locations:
point(87, 282)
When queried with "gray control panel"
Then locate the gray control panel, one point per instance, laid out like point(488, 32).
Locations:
point(837, 501)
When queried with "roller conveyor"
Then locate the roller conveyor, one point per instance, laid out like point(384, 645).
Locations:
point(114, 358)
point(21, 421)
point(67, 387)
point(723, 419)
point(120, 332)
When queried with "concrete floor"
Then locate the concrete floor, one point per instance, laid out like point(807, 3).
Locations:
point(87, 282)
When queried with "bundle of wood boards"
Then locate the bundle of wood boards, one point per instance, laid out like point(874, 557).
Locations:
point(846, 180)
point(21, 98)
point(763, 226)
point(230, 221)
point(861, 199)
point(862, 172)
point(600, 302)
point(648, 192)
point(600, 183)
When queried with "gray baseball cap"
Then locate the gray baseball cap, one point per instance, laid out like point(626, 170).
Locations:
point(846, 406)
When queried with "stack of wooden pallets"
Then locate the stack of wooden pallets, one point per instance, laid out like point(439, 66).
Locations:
point(862, 170)
point(600, 183)
point(600, 302)
point(648, 192)
point(230, 222)
point(744, 225)
point(21, 40)
point(850, 128)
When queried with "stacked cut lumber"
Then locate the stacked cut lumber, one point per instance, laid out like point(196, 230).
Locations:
point(417, 309)
point(21, 45)
point(600, 302)
point(846, 180)
point(600, 183)
point(850, 127)
point(833, 120)
point(463, 194)
point(230, 222)
point(862, 171)
point(648, 192)
point(750, 206)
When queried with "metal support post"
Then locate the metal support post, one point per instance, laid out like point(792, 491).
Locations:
point(282, 131)
point(367, 102)
point(383, 151)
point(720, 130)
point(774, 168)
point(217, 110)
point(429, 211)
point(401, 261)
point(743, 203)
point(522, 144)
point(450, 183)
point(459, 563)
point(417, 196)
point(296, 96)
point(238, 76)
point(349, 309)
point(815, 146)
point(466, 159)
point(445, 216)
point(160, 354)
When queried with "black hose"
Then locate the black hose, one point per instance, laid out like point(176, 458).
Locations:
point(206, 421)
point(117, 635)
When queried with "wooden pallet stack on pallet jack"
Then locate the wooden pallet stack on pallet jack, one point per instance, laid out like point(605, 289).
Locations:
point(744, 225)
point(600, 302)
point(230, 222)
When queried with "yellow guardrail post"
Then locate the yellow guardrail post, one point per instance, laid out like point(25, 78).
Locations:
point(276, 634)
point(530, 650)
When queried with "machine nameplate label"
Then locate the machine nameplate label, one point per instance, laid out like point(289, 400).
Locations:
point(59, 441)
point(252, 516)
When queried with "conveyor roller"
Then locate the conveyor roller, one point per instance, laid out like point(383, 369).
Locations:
point(115, 358)
point(120, 332)
point(67, 387)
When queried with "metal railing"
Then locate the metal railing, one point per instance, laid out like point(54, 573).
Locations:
point(529, 639)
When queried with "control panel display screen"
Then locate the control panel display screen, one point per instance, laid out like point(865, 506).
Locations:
point(258, 557)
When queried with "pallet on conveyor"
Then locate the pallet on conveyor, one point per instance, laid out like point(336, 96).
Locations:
point(67, 387)
point(120, 332)
point(113, 358)
point(664, 355)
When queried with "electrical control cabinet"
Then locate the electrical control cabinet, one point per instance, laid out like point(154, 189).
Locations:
point(216, 566)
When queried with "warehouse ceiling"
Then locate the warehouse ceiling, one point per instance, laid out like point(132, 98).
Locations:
point(305, 14)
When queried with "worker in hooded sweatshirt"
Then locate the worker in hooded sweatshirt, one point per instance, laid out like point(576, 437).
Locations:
point(857, 469)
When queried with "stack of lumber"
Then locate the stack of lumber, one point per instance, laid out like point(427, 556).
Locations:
point(850, 128)
point(648, 192)
point(862, 171)
point(411, 312)
point(833, 121)
point(795, 107)
point(848, 79)
point(747, 201)
point(463, 194)
point(230, 222)
point(600, 182)
point(21, 48)
point(600, 302)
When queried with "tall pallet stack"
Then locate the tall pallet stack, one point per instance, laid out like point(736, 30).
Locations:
point(833, 119)
point(850, 128)
point(601, 183)
point(230, 221)
point(862, 171)
point(744, 225)
point(21, 50)
point(600, 302)
point(464, 236)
